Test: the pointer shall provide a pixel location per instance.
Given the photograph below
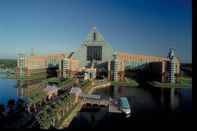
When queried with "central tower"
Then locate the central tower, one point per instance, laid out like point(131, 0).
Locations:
point(94, 50)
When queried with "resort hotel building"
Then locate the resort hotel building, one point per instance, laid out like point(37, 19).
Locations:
point(95, 57)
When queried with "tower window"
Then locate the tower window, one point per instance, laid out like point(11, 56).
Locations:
point(94, 53)
point(94, 35)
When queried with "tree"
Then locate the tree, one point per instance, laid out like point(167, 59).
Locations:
point(11, 104)
point(20, 105)
point(43, 117)
point(2, 115)
point(54, 111)
point(2, 108)
point(2, 111)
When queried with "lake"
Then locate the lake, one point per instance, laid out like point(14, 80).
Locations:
point(7, 89)
point(145, 102)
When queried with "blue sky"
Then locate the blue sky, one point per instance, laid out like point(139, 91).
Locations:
point(135, 26)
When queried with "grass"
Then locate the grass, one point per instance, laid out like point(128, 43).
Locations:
point(66, 81)
point(60, 83)
point(185, 80)
point(128, 83)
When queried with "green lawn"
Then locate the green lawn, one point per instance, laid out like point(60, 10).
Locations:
point(59, 82)
point(129, 83)
point(185, 80)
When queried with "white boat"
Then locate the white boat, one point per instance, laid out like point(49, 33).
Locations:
point(124, 106)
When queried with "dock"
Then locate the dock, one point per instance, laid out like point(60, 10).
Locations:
point(113, 108)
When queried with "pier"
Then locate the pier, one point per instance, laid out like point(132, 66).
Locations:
point(96, 101)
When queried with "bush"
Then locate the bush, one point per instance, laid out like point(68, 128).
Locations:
point(50, 113)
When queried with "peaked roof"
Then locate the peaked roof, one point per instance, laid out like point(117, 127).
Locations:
point(94, 36)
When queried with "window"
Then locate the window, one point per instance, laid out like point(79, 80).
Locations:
point(94, 53)
point(94, 36)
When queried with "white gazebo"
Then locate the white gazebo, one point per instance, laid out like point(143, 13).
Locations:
point(51, 91)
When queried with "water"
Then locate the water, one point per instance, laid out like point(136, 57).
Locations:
point(139, 99)
point(145, 104)
point(7, 89)
point(186, 100)
point(14, 89)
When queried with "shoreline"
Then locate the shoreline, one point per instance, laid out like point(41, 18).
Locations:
point(184, 83)
point(8, 75)
point(66, 122)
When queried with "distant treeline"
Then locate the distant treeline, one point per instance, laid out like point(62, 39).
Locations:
point(188, 65)
point(187, 69)
point(8, 63)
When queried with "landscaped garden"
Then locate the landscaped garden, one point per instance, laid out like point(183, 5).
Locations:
point(59, 82)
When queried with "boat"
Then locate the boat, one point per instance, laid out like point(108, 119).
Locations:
point(124, 106)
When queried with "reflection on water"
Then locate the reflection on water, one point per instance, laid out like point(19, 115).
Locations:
point(144, 101)
point(139, 99)
point(7, 89)
point(14, 89)
point(186, 100)
point(176, 99)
